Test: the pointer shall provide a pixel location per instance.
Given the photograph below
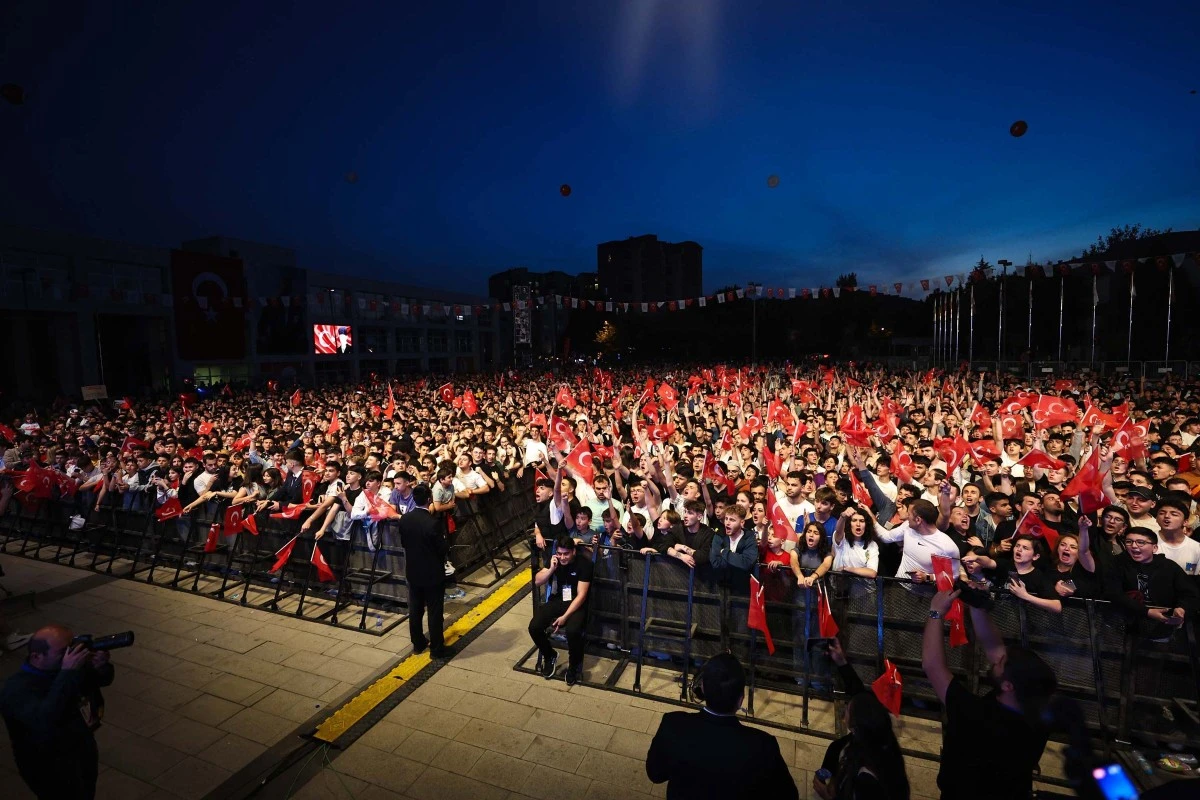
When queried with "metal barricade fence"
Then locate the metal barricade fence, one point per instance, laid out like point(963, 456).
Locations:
point(368, 568)
point(651, 610)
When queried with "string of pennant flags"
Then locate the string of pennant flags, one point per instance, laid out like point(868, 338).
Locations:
point(322, 300)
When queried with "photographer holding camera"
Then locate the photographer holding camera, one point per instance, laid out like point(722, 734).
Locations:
point(52, 706)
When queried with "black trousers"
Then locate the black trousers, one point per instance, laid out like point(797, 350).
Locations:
point(420, 600)
point(545, 616)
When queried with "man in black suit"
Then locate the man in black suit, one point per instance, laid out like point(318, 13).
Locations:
point(425, 549)
point(710, 753)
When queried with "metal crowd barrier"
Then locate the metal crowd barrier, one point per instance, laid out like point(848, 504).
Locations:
point(368, 593)
point(652, 611)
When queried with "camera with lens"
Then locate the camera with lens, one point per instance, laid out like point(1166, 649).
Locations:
point(114, 641)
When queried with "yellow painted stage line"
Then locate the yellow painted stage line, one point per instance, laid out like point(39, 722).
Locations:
point(363, 703)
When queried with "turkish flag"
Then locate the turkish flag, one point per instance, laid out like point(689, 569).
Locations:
point(283, 554)
point(668, 395)
point(1014, 404)
point(714, 471)
point(243, 442)
point(36, 482)
point(1050, 410)
point(1012, 427)
point(726, 441)
point(564, 397)
point(67, 486)
point(296, 398)
point(860, 493)
point(952, 451)
point(446, 392)
point(650, 410)
point(980, 417)
point(335, 424)
point(779, 520)
point(131, 444)
point(943, 572)
point(982, 450)
point(1186, 461)
point(1088, 484)
point(204, 428)
point(580, 462)
point(289, 512)
point(885, 427)
point(958, 627)
point(660, 433)
point(854, 427)
point(379, 510)
point(233, 519)
point(208, 325)
point(169, 510)
point(7, 433)
point(1033, 525)
point(757, 618)
point(1064, 385)
point(798, 431)
point(1092, 417)
point(902, 465)
point(772, 463)
point(469, 405)
point(888, 687)
point(560, 432)
point(308, 484)
point(537, 419)
point(249, 523)
point(324, 573)
point(213, 539)
point(1041, 460)
point(1130, 441)
point(390, 410)
point(827, 626)
point(170, 419)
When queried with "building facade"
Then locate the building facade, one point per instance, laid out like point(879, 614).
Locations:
point(643, 269)
point(141, 319)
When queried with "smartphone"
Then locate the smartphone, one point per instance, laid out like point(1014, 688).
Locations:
point(1069, 584)
point(823, 775)
point(1114, 783)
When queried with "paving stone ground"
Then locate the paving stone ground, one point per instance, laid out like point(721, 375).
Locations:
point(209, 687)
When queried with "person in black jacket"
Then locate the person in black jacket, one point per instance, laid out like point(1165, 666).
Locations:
point(1150, 588)
point(709, 753)
point(51, 707)
point(425, 549)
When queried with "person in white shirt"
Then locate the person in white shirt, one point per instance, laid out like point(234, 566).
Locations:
point(1173, 539)
point(922, 540)
point(797, 487)
point(855, 550)
point(535, 451)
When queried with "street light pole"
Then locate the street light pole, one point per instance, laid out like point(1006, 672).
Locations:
point(1004, 265)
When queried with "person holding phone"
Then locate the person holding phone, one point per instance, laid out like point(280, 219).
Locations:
point(1151, 589)
point(569, 577)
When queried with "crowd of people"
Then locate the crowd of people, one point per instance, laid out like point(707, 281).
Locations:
point(1050, 489)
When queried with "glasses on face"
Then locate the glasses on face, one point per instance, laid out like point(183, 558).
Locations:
point(1138, 543)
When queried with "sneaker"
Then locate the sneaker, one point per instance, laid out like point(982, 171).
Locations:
point(449, 569)
point(572, 676)
point(548, 665)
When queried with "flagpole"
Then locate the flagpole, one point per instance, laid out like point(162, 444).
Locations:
point(1129, 340)
point(1000, 326)
point(1029, 339)
point(1062, 288)
point(957, 320)
point(1170, 297)
point(1095, 303)
point(971, 353)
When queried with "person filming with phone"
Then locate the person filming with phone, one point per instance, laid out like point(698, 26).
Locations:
point(569, 577)
point(52, 707)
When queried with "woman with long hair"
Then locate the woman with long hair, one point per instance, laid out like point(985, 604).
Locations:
point(866, 763)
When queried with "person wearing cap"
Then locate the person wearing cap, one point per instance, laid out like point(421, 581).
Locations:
point(1172, 516)
point(1140, 502)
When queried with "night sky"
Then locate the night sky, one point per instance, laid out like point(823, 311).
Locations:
point(887, 124)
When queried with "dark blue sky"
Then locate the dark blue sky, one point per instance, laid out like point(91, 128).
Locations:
point(886, 122)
